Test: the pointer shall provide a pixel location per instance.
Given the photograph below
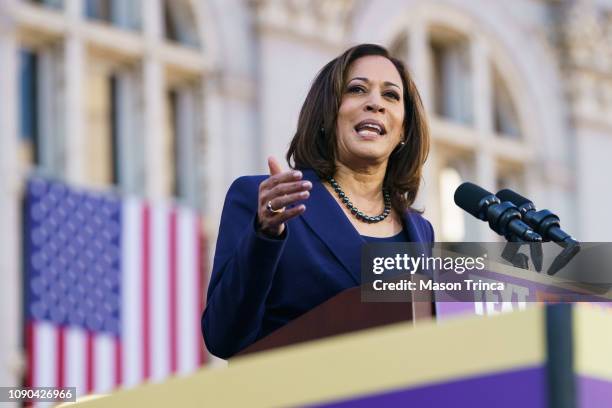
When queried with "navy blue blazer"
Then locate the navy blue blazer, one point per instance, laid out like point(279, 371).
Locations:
point(258, 284)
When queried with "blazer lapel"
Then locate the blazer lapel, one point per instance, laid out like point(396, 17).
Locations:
point(327, 220)
point(415, 234)
point(410, 226)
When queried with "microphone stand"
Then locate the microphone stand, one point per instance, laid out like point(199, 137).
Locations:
point(570, 249)
point(547, 224)
point(511, 253)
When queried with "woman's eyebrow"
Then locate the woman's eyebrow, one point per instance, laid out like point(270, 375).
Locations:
point(366, 80)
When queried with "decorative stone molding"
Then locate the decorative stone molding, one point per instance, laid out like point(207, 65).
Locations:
point(586, 55)
point(588, 36)
point(326, 20)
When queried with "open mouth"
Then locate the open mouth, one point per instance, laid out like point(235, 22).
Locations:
point(370, 128)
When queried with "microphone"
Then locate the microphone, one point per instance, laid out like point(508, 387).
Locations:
point(546, 224)
point(543, 222)
point(504, 218)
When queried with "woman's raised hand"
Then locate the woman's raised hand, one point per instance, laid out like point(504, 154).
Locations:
point(281, 189)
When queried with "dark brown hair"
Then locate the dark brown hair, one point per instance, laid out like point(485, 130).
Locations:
point(314, 143)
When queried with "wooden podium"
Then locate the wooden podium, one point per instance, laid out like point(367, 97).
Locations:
point(343, 313)
point(555, 356)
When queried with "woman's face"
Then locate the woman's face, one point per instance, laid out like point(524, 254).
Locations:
point(371, 115)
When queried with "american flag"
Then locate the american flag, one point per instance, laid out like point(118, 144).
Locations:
point(113, 289)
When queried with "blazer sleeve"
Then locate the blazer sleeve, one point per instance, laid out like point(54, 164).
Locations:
point(243, 270)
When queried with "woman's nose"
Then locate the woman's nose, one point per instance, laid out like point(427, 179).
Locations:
point(374, 107)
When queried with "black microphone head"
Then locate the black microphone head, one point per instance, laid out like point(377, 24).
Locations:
point(469, 197)
point(512, 196)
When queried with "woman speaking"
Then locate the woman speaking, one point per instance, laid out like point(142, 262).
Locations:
point(290, 240)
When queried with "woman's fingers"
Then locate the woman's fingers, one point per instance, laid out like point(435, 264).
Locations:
point(284, 177)
point(286, 188)
point(286, 215)
point(274, 223)
point(285, 200)
point(274, 166)
point(281, 189)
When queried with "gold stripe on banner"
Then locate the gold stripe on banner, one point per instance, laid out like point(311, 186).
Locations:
point(593, 340)
point(394, 357)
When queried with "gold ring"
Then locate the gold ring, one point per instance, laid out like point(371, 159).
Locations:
point(272, 210)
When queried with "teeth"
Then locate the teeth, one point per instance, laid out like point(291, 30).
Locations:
point(371, 127)
point(367, 132)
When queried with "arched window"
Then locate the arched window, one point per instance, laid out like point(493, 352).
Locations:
point(452, 76)
point(28, 107)
point(39, 107)
point(476, 128)
point(101, 118)
point(180, 23)
point(118, 103)
point(121, 13)
point(505, 116)
point(183, 101)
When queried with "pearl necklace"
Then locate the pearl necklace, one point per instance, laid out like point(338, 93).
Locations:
point(355, 211)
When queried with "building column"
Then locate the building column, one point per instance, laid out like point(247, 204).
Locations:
point(482, 98)
point(153, 103)
point(429, 193)
point(74, 66)
point(215, 163)
point(10, 239)
point(419, 59)
point(482, 86)
point(131, 138)
point(186, 132)
point(419, 62)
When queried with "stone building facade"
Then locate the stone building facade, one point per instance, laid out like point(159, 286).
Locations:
point(175, 99)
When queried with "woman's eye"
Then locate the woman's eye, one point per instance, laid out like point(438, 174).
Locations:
point(356, 89)
point(393, 95)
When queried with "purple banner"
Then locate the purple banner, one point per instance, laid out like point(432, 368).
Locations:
point(516, 295)
point(525, 388)
point(594, 393)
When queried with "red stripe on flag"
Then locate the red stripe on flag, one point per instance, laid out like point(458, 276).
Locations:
point(31, 356)
point(146, 288)
point(200, 279)
point(60, 356)
point(89, 362)
point(173, 298)
point(118, 363)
